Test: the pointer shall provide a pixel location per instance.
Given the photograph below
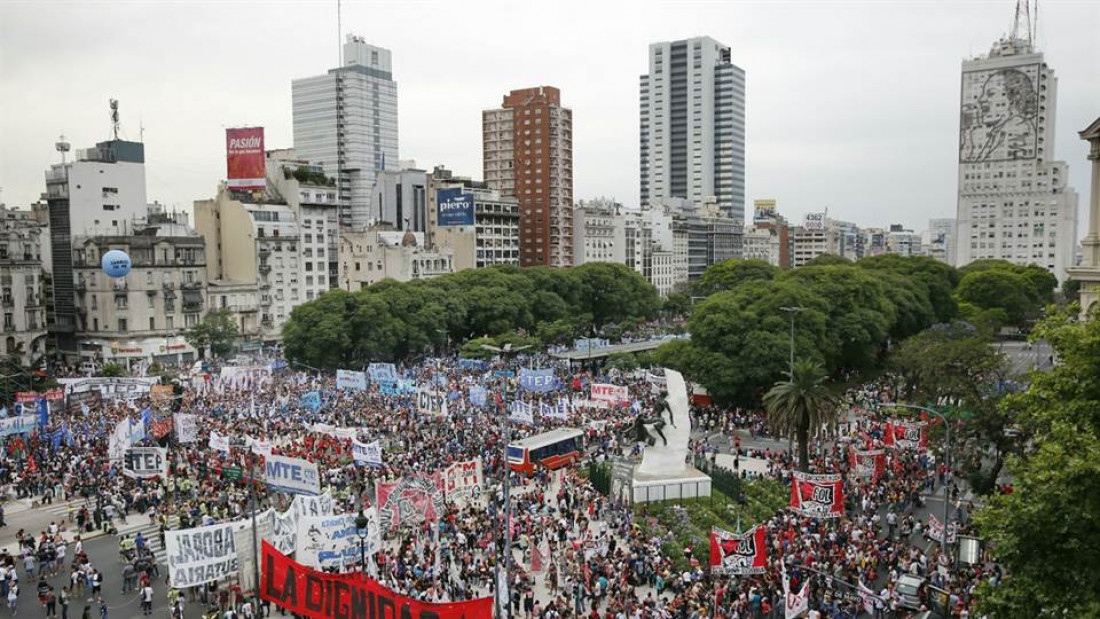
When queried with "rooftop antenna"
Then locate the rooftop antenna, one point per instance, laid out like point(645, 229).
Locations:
point(114, 117)
point(1024, 13)
point(339, 32)
point(62, 147)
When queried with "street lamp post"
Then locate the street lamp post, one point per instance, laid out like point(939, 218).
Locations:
point(946, 462)
point(791, 310)
point(506, 351)
point(361, 525)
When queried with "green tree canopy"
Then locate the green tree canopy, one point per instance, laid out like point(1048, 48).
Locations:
point(730, 274)
point(996, 289)
point(1045, 532)
point(216, 332)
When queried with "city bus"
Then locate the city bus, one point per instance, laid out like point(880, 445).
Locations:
point(550, 450)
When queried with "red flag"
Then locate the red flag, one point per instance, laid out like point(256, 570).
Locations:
point(536, 558)
point(731, 553)
point(870, 463)
point(817, 496)
point(31, 466)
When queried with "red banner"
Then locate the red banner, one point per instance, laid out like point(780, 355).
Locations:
point(731, 553)
point(29, 397)
point(906, 435)
point(409, 500)
point(320, 595)
point(160, 429)
point(245, 165)
point(869, 464)
point(817, 496)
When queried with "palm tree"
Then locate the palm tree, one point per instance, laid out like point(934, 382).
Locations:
point(802, 406)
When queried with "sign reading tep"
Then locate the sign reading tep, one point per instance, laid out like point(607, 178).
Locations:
point(245, 167)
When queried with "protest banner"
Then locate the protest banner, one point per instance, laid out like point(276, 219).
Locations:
point(409, 500)
point(187, 428)
point(333, 541)
point(817, 496)
point(463, 481)
point(30, 397)
point(319, 595)
point(734, 554)
point(615, 394)
point(366, 453)
point(84, 402)
point(868, 464)
point(431, 402)
point(903, 435)
point(218, 442)
point(350, 379)
point(537, 381)
point(521, 412)
point(161, 393)
point(797, 603)
point(145, 462)
point(478, 395)
point(382, 373)
point(110, 387)
point(293, 475)
point(201, 554)
point(477, 365)
point(935, 530)
point(246, 551)
point(20, 424)
point(311, 400)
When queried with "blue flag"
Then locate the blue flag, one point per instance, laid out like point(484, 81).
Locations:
point(311, 400)
point(43, 412)
point(146, 416)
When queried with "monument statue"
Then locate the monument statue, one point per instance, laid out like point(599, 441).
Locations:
point(665, 430)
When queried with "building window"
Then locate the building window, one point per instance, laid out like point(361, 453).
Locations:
point(190, 320)
point(151, 303)
point(152, 323)
point(121, 302)
point(169, 323)
point(122, 324)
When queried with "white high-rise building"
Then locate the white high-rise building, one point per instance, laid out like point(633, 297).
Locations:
point(941, 240)
point(1014, 203)
point(346, 122)
point(599, 232)
point(693, 125)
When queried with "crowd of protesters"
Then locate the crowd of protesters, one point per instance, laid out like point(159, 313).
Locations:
point(575, 553)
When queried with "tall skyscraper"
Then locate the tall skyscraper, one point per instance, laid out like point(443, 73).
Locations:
point(346, 122)
point(528, 154)
point(1013, 202)
point(693, 125)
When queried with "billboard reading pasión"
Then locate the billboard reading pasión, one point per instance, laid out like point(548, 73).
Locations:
point(244, 158)
point(455, 207)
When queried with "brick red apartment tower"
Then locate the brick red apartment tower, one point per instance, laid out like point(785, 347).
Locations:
point(528, 154)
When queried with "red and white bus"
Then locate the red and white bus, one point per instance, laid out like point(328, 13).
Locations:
point(550, 450)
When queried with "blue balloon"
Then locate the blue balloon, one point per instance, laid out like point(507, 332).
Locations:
point(116, 263)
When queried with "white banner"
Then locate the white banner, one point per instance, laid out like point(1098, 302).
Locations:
point(333, 431)
point(367, 453)
point(246, 550)
point(201, 554)
point(110, 387)
point(935, 530)
point(292, 475)
point(258, 447)
point(463, 480)
point(333, 541)
point(187, 428)
point(521, 412)
point(145, 462)
point(617, 394)
point(796, 603)
point(218, 442)
point(119, 441)
point(431, 402)
point(350, 379)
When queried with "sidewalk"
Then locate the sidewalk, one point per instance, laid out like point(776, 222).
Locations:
point(20, 514)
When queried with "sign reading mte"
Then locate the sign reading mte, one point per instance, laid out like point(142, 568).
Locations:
point(292, 475)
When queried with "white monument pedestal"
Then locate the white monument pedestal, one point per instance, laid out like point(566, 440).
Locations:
point(689, 483)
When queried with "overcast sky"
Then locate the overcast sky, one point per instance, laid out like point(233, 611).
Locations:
point(850, 105)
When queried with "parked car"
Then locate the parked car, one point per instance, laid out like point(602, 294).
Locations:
point(910, 590)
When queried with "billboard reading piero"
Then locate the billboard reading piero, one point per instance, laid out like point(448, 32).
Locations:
point(455, 207)
point(244, 149)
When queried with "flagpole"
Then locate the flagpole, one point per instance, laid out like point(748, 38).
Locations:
point(255, 541)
